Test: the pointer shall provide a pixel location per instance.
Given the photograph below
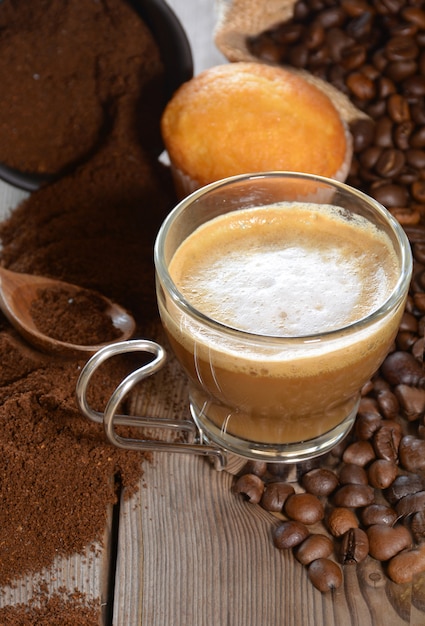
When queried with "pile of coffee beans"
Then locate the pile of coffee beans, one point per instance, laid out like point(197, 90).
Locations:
point(365, 499)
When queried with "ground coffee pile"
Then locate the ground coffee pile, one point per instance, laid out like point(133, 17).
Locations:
point(93, 227)
point(87, 53)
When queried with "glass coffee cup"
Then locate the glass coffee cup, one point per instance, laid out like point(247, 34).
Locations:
point(281, 294)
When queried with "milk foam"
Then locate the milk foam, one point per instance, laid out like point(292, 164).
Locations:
point(285, 270)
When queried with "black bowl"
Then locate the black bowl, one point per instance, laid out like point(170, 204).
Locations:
point(178, 62)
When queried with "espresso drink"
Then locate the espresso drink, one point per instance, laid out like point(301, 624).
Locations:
point(292, 279)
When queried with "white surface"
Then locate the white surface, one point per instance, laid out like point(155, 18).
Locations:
point(198, 18)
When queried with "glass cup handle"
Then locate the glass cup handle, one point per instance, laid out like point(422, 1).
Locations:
point(110, 419)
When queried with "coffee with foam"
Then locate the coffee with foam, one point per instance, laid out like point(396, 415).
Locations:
point(294, 278)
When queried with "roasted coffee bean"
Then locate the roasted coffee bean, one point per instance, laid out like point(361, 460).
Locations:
point(404, 485)
point(386, 88)
point(405, 340)
point(363, 131)
point(388, 404)
point(341, 519)
point(417, 526)
point(417, 139)
point(416, 158)
point(406, 216)
point(398, 108)
point(412, 453)
point(354, 546)
point(415, 15)
point(275, 495)
point(259, 468)
point(382, 473)
point(411, 504)
point(400, 70)
point(359, 452)
point(367, 423)
point(418, 348)
point(251, 487)
point(378, 514)
point(316, 546)
point(334, 16)
point(289, 534)
point(390, 194)
point(314, 36)
point(354, 496)
point(384, 132)
point(401, 48)
point(402, 368)
point(390, 162)
point(352, 474)
point(386, 440)
point(370, 156)
point(409, 322)
point(325, 575)
point(319, 481)
point(418, 190)
point(305, 508)
point(387, 541)
point(412, 401)
point(403, 567)
point(361, 86)
point(402, 135)
point(414, 86)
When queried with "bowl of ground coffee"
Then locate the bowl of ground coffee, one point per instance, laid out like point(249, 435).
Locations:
point(71, 66)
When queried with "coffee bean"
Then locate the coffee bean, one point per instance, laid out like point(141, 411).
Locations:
point(415, 15)
point(354, 546)
point(275, 495)
point(354, 496)
point(382, 473)
point(305, 508)
point(403, 567)
point(386, 440)
point(387, 541)
point(316, 546)
point(319, 481)
point(289, 534)
point(410, 504)
point(417, 526)
point(390, 195)
point(359, 452)
point(412, 401)
point(404, 485)
point(325, 575)
point(390, 162)
point(401, 49)
point(414, 86)
point(378, 514)
point(416, 158)
point(398, 108)
point(402, 368)
point(363, 131)
point(341, 519)
point(417, 139)
point(352, 474)
point(412, 453)
point(251, 487)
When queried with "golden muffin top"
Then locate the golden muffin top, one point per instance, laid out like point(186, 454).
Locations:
point(248, 117)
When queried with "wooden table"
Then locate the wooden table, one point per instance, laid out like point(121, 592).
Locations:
point(185, 550)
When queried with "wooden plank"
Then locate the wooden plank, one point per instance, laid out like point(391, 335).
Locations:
point(191, 553)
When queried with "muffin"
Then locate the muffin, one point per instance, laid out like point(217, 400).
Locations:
point(248, 117)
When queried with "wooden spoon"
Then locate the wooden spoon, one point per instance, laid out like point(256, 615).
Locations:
point(18, 292)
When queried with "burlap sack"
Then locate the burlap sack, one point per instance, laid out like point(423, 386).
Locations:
point(239, 19)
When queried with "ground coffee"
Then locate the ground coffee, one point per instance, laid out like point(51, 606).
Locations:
point(95, 228)
point(90, 54)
